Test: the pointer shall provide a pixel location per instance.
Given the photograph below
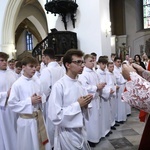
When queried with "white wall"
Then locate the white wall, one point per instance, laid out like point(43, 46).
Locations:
point(105, 27)
point(90, 18)
point(88, 26)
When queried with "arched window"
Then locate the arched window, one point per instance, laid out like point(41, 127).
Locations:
point(29, 41)
point(146, 13)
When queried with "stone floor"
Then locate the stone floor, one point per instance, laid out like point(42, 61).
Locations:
point(126, 137)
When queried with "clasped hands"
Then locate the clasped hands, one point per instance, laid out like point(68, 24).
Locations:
point(36, 99)
point(85, 100)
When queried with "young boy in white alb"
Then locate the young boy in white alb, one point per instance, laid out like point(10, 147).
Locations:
point(121, 106)
point(7, 117)
point(111, 82)
point(91, 82)
point(105, 94)
point(49, 75)
point(26, 100)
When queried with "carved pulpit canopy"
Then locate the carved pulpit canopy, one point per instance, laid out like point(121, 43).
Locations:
point(63, 8)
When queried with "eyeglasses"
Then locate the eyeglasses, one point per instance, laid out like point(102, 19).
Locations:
point(78, 62)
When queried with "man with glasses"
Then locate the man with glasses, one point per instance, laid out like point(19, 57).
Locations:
point(68, 105)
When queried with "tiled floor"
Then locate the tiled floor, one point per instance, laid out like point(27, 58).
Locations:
point(126, 137)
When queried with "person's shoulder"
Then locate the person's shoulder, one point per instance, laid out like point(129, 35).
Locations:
point(44, 71)
point(98, 70)
point(107, 72)
point(11, 75)
point(46, 68)
point(59, 83)
point(62, 79)
point(18, 83)
point(20, 79)
point(8, 71)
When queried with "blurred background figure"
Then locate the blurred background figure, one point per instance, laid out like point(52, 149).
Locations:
point(42, 64)
point(126, 59)
point(11, 65)
point(113, 55)
point(130, 61)
point(138, 61)
point(145, 60)
point(18, 69)
point(95, 60)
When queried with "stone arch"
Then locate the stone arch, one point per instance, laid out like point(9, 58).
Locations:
point(9, 25)
point(9, 22)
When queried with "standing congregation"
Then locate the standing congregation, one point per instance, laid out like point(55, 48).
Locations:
point(72, 106)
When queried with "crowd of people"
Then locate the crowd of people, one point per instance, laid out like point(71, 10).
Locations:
point(62, 106)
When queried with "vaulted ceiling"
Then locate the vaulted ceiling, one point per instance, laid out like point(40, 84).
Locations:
point(26, 24)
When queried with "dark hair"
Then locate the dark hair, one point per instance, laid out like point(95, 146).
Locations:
point(29, 60)
point(109, 63)
point(113, 54)
point(102, 59)
point(49, 52)
point(18, 64)
point(11, 61)
point(116, 58)
point(4, 55)
point(93, 54)
point(68, 55)
point(138, 57)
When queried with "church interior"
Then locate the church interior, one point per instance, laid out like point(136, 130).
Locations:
point(101, 26)
point(105, 27)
